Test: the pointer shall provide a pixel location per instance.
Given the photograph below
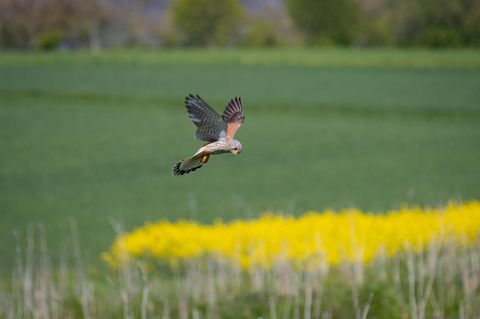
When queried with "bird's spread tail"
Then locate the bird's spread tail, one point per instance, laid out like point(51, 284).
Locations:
point(190, 164)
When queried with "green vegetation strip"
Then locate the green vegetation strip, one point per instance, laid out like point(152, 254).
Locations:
point(422, 58)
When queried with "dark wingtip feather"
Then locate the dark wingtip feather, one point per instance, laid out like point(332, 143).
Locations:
point(176, 169)
point(234, 111)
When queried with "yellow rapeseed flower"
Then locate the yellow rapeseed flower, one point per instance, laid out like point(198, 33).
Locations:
point(328, 237)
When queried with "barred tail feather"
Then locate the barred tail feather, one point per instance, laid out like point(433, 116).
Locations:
point(188, 165)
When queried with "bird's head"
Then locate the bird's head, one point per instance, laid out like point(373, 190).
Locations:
point(235, 147)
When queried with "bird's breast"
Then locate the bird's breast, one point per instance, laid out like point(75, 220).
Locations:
point(217, 147)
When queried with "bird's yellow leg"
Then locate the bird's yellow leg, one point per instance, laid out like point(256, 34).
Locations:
point(205, 158)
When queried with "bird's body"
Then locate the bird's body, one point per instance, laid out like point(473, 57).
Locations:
point(217, 130)
point(223, 145)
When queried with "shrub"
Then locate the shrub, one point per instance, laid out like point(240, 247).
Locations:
point(261, 34)
point(328, 19)
point(49, 40)
point(205, 22)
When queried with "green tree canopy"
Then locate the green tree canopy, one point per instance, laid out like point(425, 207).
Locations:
point(207, 22)
point(442, 23)
point(325, 20)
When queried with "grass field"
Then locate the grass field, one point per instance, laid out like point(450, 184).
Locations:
point(93, 138)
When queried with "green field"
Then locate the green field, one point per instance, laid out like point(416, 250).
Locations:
point(93, 138)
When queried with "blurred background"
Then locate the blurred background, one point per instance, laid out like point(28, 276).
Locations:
point(102, 24)
point(349, 103)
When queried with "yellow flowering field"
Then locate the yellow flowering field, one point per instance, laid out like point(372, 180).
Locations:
point(327, 237)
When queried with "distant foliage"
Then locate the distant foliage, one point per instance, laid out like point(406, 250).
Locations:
point(326, 21)
point(94, 24)
point(205, 22)
point(26, 24)
point(261, 34)
point(49, 39)
point(426, 23)
point(442, 23)
point(430, 23)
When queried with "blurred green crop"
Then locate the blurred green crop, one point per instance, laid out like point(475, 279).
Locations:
point(93, 138)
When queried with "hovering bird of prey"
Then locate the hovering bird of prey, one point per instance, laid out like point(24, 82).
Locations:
point(218, 130)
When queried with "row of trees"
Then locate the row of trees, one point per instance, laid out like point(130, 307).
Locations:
point(432, 23)
point(46, 24)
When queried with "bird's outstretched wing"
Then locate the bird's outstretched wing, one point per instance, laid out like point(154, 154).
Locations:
point(233, 116)
point(210, 125)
